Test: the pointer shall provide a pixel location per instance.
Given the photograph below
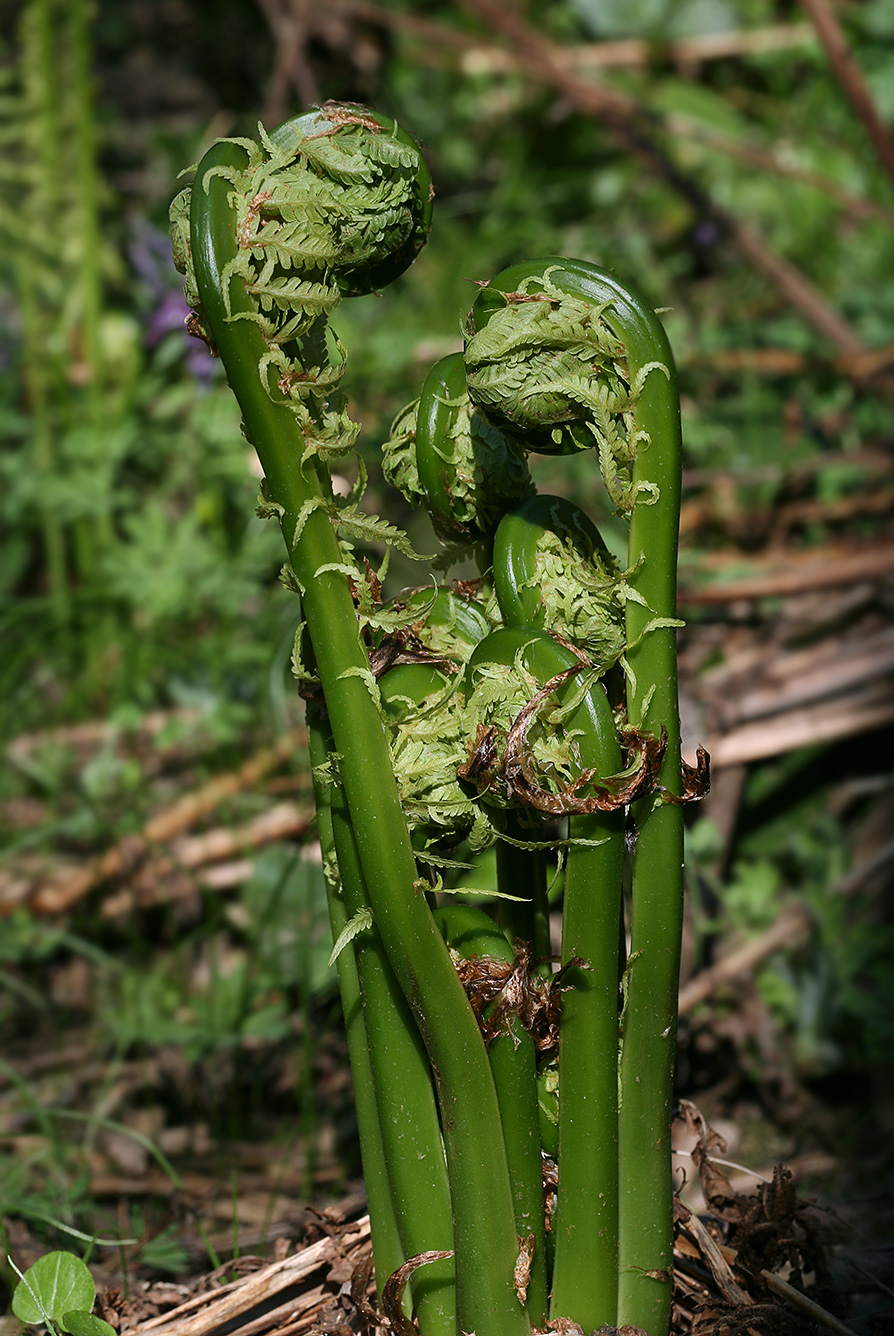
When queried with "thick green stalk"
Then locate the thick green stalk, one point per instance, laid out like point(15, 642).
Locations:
point(485, 1240)
point(413, 1152)
point(522, 872)
point(513, 1059)
point(650, 1017)
point(387, 1248)
point(653, 493)
point(584, 1280)
point(585, 1272)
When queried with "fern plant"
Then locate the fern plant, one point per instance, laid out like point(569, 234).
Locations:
point(49, 215)
point(532, 709)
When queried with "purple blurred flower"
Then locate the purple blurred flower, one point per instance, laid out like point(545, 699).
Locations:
point(706, 234)
point(150, 256)
point(170, 313)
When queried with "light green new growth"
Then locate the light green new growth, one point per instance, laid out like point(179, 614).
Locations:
point(399, 456)
point(317, 206)
point(311, 209)
point(531, 365)
point(428, 744)
point(581, 598)
point(487, 468)
point(447, 1176)
point(550, 366)
point(499, 693)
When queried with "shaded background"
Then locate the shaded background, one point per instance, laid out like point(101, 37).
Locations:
point(172, 1066)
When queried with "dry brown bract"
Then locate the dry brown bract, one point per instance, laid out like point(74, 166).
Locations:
point(696, 780)
point(392, 1315)
point(339, 114)
point(501, 992)
point(514, 770)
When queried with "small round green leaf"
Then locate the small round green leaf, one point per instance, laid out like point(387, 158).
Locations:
point(85, 1324)
point(55, 1284)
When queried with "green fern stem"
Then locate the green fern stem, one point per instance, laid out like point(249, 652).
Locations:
point(472, 934)
point(584, 1276)
point(387, 1247)
point(521, 873)
point(484, 1229)
point(582, 383)
point(585, 1271)
point(410, 1145)
point(649, 1028)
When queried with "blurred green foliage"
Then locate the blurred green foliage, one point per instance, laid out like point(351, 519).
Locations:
point(130, 554)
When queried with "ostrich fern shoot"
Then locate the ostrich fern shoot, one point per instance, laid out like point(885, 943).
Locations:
point(532, 708)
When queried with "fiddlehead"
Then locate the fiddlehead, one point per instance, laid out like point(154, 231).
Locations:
point(552, 569)
point(334, 203)
point(640, 460)
point(584, 1281)
point(545, 363)
point(559, 357)
point(426, 714)
point(562, 354)
point(447, 456)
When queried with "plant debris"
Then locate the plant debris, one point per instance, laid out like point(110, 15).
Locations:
point(512, 766)
point(734, 1266)
point(500, 993)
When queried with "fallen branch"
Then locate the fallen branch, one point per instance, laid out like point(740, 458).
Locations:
point(800, 1301)
point(796, 573)
point(709, 511)
point(55, 896)
point(871, 709)
point(158, 878)
point(743, 150)
point(791, 924)
point(787, 362)
point(850, 77)
point(624, 54)
point(634, 126)
point(207, 1312)
point(872, 462)
point(807, 676)
point(721, 1270)
point(89, 737)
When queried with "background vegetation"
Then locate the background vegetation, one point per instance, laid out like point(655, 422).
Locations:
point(172, 1067)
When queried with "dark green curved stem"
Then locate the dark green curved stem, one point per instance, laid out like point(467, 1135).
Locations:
point(522, 872)
point(403, 1095)
point(649, 1024)
point(387, 1248)
point(482, 1203)
point(585, 1277)
point(585, 1271)
point(445, 383)
point(515, 553)
point(513, 1062)
point(650, 1017)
